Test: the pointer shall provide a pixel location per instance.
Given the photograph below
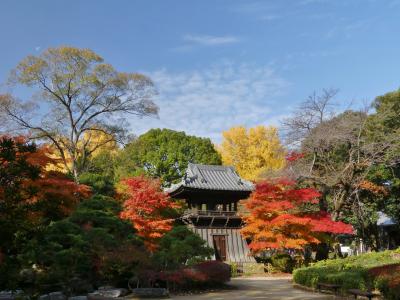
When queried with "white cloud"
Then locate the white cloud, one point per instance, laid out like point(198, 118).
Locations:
point(260, 10)
point(350, 29)
point(271, 11)
point(209, 40)
point(191, 41)
point(205, 102)
point(253, 7)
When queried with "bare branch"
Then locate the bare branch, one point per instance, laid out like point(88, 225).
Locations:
point(81, 93)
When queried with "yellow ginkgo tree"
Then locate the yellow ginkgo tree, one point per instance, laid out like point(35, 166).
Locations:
point(94, 142)
point(252, 151)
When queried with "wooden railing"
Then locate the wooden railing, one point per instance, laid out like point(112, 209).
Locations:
point(211, 213)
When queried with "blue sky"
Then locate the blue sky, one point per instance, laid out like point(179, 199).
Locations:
point(220, 63)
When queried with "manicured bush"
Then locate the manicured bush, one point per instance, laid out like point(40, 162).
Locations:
point(351, 272)
point(215, 272)
point(389, 286)
point(352, 278)
point(199, 276)
point(283, 262)
point(387, 280)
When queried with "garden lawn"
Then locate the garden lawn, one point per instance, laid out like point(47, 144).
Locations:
point(354, 272)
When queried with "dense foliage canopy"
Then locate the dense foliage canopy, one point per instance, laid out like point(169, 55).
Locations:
point(181, 246)
point(148, 208)
point(165, 154)
point(352, 158)
point(92, 246)
point(282, 216)
point(30, 198)
point(252, 152)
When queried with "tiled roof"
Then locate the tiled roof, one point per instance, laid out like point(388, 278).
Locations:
point(209, 177)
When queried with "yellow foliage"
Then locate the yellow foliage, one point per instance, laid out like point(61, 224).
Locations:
point(98, 141)
point(252, 152)
point(93, 142)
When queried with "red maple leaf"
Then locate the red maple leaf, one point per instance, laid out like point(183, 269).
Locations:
point(277, 220)
point(145, 208)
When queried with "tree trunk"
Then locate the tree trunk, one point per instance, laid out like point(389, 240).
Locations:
point(323, 203)
point(337, 250)
point(75, 172)
point(322, 252)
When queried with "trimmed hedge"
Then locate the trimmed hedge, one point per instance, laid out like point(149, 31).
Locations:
point(283, 262)
point(203, 275)
point(215, 272)
point(351, 272)
point(387, 280)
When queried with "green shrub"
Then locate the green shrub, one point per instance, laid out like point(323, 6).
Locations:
point(179, 247)
point(283, 262)
point(234, 269)
point(351, 272)
point(389, 286)
point(393, 290)
point(100, 184)
point(93, 245)
point(354, 278)
point(253, 268)
point(269, 268)
point(382, 284)
point(387, 280)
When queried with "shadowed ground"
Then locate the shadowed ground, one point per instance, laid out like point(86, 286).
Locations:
point(259, 288)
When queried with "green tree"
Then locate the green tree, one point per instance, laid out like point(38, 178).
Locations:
point(99, 174)
point(77, 94)
point(165, 154)
point(93, 246)
point(30, 198)
point(384, 126)
point(181, 247)
point(99, 183)
point(348, 157)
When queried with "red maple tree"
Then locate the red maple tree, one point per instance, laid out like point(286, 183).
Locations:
point(27, 179)
point(282, 216)
point(147, 207)
point(30, 194)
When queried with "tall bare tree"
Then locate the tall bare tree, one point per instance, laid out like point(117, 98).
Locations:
point(311, 112)
point(338, 153)
point(75, 93)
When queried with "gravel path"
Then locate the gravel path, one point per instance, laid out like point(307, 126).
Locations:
point(259, 288)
